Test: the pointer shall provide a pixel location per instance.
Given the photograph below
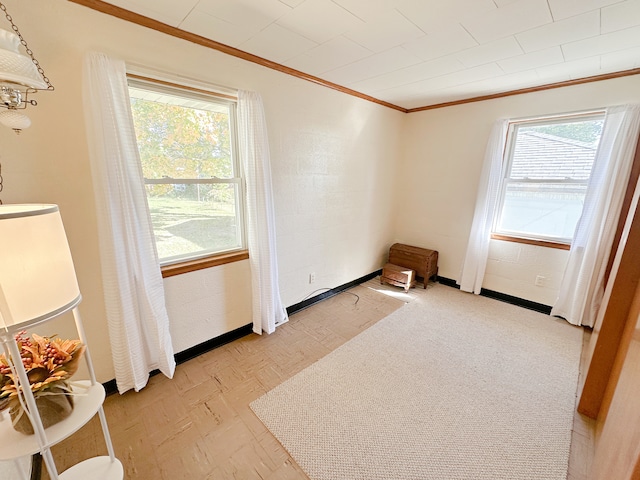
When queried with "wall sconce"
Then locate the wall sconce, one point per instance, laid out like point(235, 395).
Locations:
point(20, 75)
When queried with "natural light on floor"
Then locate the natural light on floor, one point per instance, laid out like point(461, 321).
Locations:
point(400, 295)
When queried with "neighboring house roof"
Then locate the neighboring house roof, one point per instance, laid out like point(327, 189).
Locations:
point(543, 156)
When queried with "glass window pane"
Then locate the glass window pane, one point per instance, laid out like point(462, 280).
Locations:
point(556, 151)
point(542, 210)
point(182, 142)
point(193, 220)
point(548, 166)
point(188, 136)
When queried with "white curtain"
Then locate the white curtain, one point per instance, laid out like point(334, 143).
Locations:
point(475, 260)
point(582, 286)
point(268, 311)
point(133, 288)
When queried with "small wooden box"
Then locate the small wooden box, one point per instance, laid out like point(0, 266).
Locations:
point(399, 276)
point(422, 260)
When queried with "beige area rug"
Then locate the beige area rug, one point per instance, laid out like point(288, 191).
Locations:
point(450, 386)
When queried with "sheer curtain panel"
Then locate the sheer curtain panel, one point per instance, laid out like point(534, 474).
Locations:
point(133, 288)
point(475, 261)
point(268, 311)
point(582, 285)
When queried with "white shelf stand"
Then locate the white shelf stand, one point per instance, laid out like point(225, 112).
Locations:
point(14, 444)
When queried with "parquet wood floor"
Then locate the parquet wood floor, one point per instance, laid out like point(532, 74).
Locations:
point(199, 425)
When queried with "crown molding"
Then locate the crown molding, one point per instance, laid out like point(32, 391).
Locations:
point(147, 22)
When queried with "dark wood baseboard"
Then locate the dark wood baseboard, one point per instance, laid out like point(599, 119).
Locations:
point(216, 342)
point(503, 297)
point(181, 357)
point(330, 293)
point(449, 282)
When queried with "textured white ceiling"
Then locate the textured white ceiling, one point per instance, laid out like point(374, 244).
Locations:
point(415, 53)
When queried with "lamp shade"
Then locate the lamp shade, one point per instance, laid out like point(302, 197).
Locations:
point(37, 276)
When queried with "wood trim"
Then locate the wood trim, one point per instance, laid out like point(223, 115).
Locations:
point(215, 342)
point(529, 241)
point(503, 297)
point(617, 452)
point(182, 87)
point(625, 341)
point(608, 332)
point(330, 292)
point(185, 355)
point(201, 263)
point(521, 91)
point(626, 204)
point(513, 300)
point(612, 318)
point(141, 20)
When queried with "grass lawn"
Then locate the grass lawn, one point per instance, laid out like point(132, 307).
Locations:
point(183, 227)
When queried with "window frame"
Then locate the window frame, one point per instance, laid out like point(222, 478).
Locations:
point(505, 178)
point(177, 265)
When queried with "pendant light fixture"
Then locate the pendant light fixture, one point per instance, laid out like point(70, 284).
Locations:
point(20, 76)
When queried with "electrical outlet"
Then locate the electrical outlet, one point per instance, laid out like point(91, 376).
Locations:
point(312, 277)
point(540, 280)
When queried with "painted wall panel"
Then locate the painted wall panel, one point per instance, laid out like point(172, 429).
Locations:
point(332, 156)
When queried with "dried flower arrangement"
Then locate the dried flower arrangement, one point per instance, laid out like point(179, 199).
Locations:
point(49, 363)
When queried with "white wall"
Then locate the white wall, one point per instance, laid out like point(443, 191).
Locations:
point(443, 154)
point(512, 268)
point(333, 161)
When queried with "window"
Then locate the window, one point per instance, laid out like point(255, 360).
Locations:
point(547, 167)
point(194, 190)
